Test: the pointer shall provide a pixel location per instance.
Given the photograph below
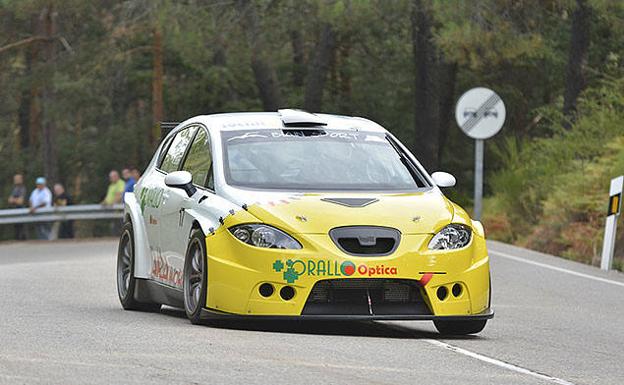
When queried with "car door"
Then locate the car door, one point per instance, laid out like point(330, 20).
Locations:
point(167, 268)
point(175, 224)
point(149, 194)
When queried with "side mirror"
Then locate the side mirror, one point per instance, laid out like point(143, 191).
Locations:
point(182, 180)
point(443, 179)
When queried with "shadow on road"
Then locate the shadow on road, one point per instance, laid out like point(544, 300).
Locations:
point(341, 328)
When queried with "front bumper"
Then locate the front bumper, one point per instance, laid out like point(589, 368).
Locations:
point(210, 314)
point(236, 271)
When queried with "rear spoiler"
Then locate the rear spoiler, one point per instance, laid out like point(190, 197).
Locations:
point(166, 127)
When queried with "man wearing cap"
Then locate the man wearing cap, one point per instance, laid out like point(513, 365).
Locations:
point(41, 197)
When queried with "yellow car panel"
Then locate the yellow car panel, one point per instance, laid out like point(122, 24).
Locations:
point(236, 270)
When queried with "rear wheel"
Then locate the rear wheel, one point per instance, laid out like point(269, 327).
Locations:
point(195, 276)
point(125, 273)
point(460, 327)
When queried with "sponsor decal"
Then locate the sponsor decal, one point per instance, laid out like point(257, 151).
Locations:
point(151, 197)
point(331, 134)
point(163, 271)
point(292, 269)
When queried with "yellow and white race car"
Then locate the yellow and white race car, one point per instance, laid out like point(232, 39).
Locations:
point(290, 214)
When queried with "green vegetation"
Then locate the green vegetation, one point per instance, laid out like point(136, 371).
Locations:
point(83, 83)
point(551, 192)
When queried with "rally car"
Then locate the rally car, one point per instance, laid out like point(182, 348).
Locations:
point(295, 215)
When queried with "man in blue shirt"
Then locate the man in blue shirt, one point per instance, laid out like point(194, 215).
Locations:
point(126, 174)
point(39, 198)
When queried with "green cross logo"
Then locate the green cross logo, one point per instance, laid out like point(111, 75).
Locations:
point(290, 275)
point(278, 265)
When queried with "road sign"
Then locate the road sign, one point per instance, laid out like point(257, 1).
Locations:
point(480, 113)
point(613, 213)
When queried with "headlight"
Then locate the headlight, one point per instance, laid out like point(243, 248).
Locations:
point(264, 236)
point(451, 237)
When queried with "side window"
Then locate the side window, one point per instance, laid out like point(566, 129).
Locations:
point(199, 159)
point(175, 153)
point(163, 152)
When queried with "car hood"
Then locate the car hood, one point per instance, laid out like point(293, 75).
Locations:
point(411, 213)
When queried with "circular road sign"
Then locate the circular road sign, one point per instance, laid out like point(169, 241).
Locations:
point(480, 113)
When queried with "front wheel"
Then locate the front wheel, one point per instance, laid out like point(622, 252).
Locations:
point(195, 276)
point(460, 328)
point(125, 273)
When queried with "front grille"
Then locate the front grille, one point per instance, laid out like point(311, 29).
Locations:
point(383, 246)
point(366, 296)
point(366, 241)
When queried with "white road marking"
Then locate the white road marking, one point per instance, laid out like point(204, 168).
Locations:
point(501, 364)
point(560, 269)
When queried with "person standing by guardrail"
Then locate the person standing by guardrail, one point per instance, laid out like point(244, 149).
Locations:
point(17, 200)
point(126, 174)
point(114, 193)
point(65, 229)
point(41, 197)
point(136, 174)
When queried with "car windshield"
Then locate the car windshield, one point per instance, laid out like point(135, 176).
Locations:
point(314, 160)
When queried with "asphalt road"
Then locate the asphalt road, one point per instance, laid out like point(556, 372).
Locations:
point(60, 323)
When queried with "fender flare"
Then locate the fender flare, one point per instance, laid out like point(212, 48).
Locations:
point(204, 224)
point(132, 212)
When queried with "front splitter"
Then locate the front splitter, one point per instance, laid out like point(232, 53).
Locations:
point(210, 314)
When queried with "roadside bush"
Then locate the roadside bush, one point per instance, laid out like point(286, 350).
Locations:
point(551, 193)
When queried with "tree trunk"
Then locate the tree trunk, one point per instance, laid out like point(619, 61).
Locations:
point(158, 106)
point(426, 125)
point(50, 157)
point(23, 119)
point(344, 75)
point(34, 92)
point(577, 59)
point(264, 73)
point(298, 58)
point(446, 96)
point(318, 68)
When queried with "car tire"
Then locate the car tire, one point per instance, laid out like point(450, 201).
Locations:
point(460, 328)
point(126, 282)
point(195, 276)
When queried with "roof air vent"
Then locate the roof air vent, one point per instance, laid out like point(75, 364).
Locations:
point(300, 118)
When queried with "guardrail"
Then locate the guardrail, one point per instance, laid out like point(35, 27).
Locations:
point(61, 213)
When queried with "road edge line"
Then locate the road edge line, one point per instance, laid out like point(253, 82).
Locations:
point(499, 363)
point(556, 268)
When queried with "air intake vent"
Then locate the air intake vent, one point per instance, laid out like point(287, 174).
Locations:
point(366, 296)
point(300, 118)
point(351, 202)
point(366, 241)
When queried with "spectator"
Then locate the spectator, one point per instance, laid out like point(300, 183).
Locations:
point(114, 193)
point(41, 197)
point(65, 229)
point(126, 173)
point(17, 200)
point(116, 188)
point(136, 174)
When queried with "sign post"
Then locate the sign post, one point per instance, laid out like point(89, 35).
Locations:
point(480, 113)
point(613, 213)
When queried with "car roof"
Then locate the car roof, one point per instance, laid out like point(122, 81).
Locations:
point(276, 120)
